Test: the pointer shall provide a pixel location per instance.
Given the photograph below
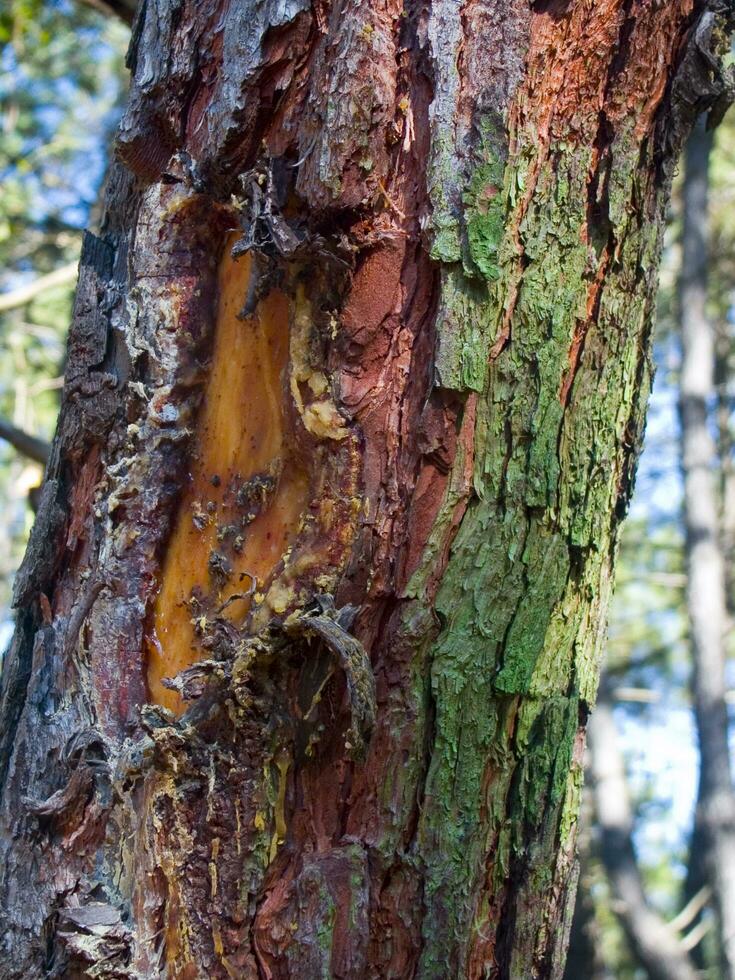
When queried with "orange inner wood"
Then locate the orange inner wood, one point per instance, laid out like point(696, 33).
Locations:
point(242, 434)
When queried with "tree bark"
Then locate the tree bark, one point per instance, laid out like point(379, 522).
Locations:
point(706, 581)
point(356, 384)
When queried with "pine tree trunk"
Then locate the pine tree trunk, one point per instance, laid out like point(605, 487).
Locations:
point(585, 953)
point(714, 834)
point(654, 944)
point(357, 379)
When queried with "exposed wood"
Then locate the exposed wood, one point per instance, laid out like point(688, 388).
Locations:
point(241, 510)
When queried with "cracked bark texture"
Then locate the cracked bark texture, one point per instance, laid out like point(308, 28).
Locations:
point(447, 219)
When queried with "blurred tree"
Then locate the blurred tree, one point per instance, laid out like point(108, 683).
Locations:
point(713, 842)
point(586, 954)
point(655, 945)
point(60, 92)
point(649, 648)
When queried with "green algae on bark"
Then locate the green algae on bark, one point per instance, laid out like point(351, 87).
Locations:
point(523, 599)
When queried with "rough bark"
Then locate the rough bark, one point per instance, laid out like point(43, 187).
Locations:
point(653, 943)
point(714, 836)
point(441, 224)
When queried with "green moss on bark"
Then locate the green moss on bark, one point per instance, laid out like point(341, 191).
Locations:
point(485, 203)
point(525, 591)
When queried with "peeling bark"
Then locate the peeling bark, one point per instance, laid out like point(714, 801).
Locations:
point(410, 253)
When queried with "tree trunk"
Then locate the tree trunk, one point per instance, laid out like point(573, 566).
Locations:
point(653, 943)
point(356, 383)
point(585, 955)
point(706, 583)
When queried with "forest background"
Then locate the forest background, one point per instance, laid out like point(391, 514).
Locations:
point(62, 86)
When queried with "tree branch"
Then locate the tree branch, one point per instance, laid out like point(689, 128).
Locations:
point(24, 294)
point(30, 446)
point(124, 9)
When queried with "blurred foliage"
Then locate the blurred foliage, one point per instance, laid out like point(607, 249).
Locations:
point(647, 655)
point(61, 84)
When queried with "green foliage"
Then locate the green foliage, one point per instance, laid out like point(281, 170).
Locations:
point(60, 87)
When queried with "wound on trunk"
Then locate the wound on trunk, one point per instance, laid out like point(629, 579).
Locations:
point(242, 505)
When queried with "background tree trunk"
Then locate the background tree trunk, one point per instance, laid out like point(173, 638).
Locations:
point(714, 834)
point(585, 955)
point(356, 383)
point(654, 944)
